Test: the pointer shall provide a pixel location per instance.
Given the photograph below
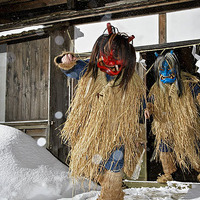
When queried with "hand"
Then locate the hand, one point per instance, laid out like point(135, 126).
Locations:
point(68, 58)
point(146, 113)
point(149, 110)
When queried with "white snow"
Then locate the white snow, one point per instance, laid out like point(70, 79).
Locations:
point(30, 172)
point(20, 30)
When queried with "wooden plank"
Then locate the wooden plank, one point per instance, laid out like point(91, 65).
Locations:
point(38, 79)
point(26, 127)
point(18, 84)
point(38, 89)
point(131, 9)
point(41, 80)
point(139, 184)
point(45, 63)
point(36, 138)
point(26, 35)
point(162, 28)
point(27, 81)
point(9, 83)
point(32, 128)
point(59, 93)
point(36, 132)
point(27, 124)
point(3, 2)
point(171, 45)
point(22, 5)
point(24, 63)
point(43, 74)
point(13, 80)
point(34, 101)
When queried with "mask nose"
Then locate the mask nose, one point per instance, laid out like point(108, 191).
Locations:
point(165, 66)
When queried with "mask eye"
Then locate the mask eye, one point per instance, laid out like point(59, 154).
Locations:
point(171, 68)
point(161, 69)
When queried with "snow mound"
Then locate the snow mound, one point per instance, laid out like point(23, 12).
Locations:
point(30, 172)
point(170, 192)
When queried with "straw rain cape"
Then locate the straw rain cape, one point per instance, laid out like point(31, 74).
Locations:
point(176, 121)
point(103, 117)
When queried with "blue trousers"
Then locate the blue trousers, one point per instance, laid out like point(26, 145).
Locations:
point(116, 160)
point(163, 147)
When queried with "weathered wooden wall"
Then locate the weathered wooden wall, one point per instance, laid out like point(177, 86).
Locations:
point(27, 80)
point(36, 89)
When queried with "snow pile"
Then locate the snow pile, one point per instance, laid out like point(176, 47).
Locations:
point(170, 192)
point(30, 172)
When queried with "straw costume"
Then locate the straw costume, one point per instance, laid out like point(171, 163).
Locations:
point(102, 126)
point(176, 123)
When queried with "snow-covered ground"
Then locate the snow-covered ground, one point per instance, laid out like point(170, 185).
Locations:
point(30, 172)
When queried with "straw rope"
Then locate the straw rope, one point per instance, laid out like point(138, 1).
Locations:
point(102, 117)
point(176, 122)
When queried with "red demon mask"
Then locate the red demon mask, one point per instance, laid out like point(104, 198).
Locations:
point(109, 63)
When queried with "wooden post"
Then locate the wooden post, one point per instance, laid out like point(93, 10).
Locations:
point(71, 4)
point(60, 91)
point(162, 29)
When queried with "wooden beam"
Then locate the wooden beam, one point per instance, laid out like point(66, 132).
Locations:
point(3, 2)
point(58, 88)
point(20, 6)
point(131, 9)
point(162, 29)
point(172, 45)
point(34, 124)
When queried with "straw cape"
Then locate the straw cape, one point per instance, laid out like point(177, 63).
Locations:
point(176, 121)
point(102, 117)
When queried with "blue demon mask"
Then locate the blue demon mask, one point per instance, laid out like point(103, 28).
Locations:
point(167, 72)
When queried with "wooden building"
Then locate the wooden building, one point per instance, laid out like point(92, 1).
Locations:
point(34, 93)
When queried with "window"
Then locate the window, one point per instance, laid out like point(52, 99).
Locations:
point(183, 25)
point(145, 30)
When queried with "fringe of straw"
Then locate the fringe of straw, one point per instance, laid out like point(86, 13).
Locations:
point(101, 118)
point(176, 122)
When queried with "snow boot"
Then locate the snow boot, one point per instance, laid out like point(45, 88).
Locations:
point(197, 169)
point(169, 167)
point(111, 186)
point(164, 178)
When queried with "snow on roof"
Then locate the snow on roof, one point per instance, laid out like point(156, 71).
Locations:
point(20, 30)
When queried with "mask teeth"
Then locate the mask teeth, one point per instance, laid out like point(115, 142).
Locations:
point(117, 68)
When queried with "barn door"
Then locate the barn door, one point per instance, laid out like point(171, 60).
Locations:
point(27, 86)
